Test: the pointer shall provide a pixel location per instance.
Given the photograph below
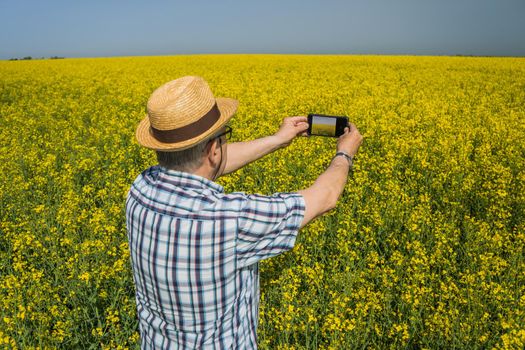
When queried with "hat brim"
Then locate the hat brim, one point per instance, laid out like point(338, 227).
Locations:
point(227, 107)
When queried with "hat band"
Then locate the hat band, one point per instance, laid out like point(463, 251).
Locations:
point(189, 131)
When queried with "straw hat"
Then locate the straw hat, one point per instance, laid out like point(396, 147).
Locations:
point(181, 113)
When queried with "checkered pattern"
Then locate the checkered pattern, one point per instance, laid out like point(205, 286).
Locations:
point(195, 253)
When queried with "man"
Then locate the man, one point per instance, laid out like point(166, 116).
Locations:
point(195, 249)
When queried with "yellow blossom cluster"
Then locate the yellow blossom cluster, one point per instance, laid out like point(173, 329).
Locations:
point(425, 249)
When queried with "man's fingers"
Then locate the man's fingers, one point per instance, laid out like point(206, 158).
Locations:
point(302, 126)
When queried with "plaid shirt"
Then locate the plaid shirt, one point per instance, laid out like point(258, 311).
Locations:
point(195, 253)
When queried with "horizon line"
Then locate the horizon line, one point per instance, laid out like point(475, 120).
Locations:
point(29, 58)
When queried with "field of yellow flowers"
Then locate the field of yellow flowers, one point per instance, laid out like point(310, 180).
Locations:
point(425, 250)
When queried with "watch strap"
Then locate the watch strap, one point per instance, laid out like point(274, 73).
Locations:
point(348, 157)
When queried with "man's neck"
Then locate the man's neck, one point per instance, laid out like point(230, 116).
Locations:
point(204, 171)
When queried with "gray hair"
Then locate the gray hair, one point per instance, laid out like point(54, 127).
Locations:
point(186, 160)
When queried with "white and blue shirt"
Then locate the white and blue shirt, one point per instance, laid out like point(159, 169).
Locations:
point(195, 253)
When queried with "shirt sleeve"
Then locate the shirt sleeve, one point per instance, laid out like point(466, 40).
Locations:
point(268, 226)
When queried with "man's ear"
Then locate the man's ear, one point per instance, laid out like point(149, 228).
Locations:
point(214, 145)
point(212, 148)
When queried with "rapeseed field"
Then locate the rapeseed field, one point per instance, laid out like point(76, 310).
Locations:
point(425, 250)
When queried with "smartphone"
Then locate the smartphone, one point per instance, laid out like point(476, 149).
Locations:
point(326, 125)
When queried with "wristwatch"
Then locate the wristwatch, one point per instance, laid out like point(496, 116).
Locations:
point(348, 157)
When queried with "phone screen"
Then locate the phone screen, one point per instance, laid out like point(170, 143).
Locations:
point(324, 126)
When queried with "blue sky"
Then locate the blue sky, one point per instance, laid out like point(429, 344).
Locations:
point(127, 28)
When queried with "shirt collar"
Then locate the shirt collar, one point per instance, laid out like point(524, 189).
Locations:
point(184, 179)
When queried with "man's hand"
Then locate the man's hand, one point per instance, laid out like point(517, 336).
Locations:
point(350, 141)
point(290, 128)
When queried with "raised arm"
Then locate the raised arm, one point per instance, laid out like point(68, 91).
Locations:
point(322, 196)
point(242, 153)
